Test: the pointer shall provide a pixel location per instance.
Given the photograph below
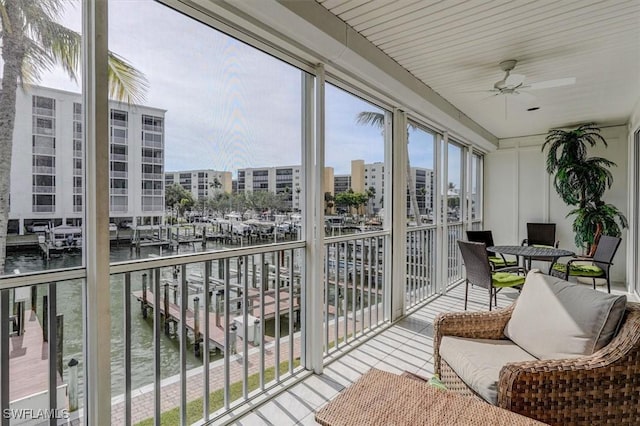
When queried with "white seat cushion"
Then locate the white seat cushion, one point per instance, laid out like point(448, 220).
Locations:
point(478, 362)
point(556, 319)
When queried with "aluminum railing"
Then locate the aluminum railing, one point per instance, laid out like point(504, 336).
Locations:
point(455, 232)
point(421, 264)
point(240, 312)
point(354, 287)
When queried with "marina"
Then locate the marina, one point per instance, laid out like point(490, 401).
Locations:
point(263, 288)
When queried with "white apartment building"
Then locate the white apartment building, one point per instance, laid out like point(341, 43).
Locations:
point(201, 183)
point(280, 179)
point(47, 167)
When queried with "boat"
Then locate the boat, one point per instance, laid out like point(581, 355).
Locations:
point(65, 237)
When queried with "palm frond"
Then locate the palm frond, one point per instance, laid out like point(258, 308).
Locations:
point(375, 119)
point(126, 83)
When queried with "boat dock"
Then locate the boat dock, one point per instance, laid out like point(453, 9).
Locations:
point(29, 366)
point(216, 319)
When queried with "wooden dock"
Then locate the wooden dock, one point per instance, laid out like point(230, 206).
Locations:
point(29, 361)
point(216, 322)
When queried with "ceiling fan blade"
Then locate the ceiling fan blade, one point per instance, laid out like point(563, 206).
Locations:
point(480, 91)
point(523, 97)
point(551, 83)
point(514, 80)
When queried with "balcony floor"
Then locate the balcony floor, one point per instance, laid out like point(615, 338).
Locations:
point(406, 345)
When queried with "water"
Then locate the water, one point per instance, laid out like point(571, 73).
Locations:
point(69, 304)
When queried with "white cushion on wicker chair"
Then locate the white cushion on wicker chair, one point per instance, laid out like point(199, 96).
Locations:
point(478, 362)
point(556, 319)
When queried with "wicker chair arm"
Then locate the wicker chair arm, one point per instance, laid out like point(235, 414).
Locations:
point(594, 389)
point(475, 325)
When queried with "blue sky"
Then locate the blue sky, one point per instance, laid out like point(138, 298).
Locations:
point(230, 105)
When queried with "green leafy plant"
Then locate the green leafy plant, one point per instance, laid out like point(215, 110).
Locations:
point(582, 181)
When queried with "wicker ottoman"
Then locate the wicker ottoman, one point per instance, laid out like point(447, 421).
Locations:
point(381, 398)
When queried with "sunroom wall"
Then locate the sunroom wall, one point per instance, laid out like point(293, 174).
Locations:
point(519, 190)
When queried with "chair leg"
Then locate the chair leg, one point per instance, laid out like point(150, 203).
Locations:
point(466, 293)
point(594, 283)
point(495, 298)
point(608, 285)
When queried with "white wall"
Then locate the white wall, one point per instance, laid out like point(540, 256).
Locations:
point(518, 190)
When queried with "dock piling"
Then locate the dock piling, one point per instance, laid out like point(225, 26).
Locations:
point(257, 334)
point(232, 339)
point(73, 384)
point(34, 297)
point(60, 340)
point(144, 296)
point(45, 318)
point(166, 308)
point(196, 326)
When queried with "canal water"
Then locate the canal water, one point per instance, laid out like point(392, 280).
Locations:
point(69, 304)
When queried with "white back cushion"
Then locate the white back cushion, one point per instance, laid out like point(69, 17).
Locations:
point(556, 319)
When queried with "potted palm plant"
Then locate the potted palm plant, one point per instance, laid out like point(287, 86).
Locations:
point(581, 181)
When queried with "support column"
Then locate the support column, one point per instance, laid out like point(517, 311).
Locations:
point(97, 350)
point(398, 251)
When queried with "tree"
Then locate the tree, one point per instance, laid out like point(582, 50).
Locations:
point(328, 202)
point(33, 42)
point(178, 198)
point(377, 119)
point(582, 181)
point(371, 194)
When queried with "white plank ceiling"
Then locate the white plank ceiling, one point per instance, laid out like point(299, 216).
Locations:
point(455, 46)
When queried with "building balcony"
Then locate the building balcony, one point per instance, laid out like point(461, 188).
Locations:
point(152, 176)
point(43, 189)
point(119, 123)
point(43, 150)
point(43, 170)
point(152, 144)
point(119, 157)
point(118, 140)
point(118, 174)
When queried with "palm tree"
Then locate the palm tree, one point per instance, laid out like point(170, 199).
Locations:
point(582, 181)
point(377, 119)
point(32, 42)
point(577, 178)
point(371, 194)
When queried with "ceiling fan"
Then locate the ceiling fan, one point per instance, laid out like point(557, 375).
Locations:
point(513, 84)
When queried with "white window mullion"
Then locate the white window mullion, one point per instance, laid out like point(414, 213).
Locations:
point(443, 189)
point(313, 157)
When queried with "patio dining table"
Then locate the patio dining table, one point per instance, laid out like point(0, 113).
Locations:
point(533, 251)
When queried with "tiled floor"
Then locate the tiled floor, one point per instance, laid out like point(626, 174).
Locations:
point(407, 345)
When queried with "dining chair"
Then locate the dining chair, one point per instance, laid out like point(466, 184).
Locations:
point(541, 235)
point(497, 262)
point(476, 263)
point(596, 267)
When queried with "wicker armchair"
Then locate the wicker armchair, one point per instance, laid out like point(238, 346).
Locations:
point(603, 388)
